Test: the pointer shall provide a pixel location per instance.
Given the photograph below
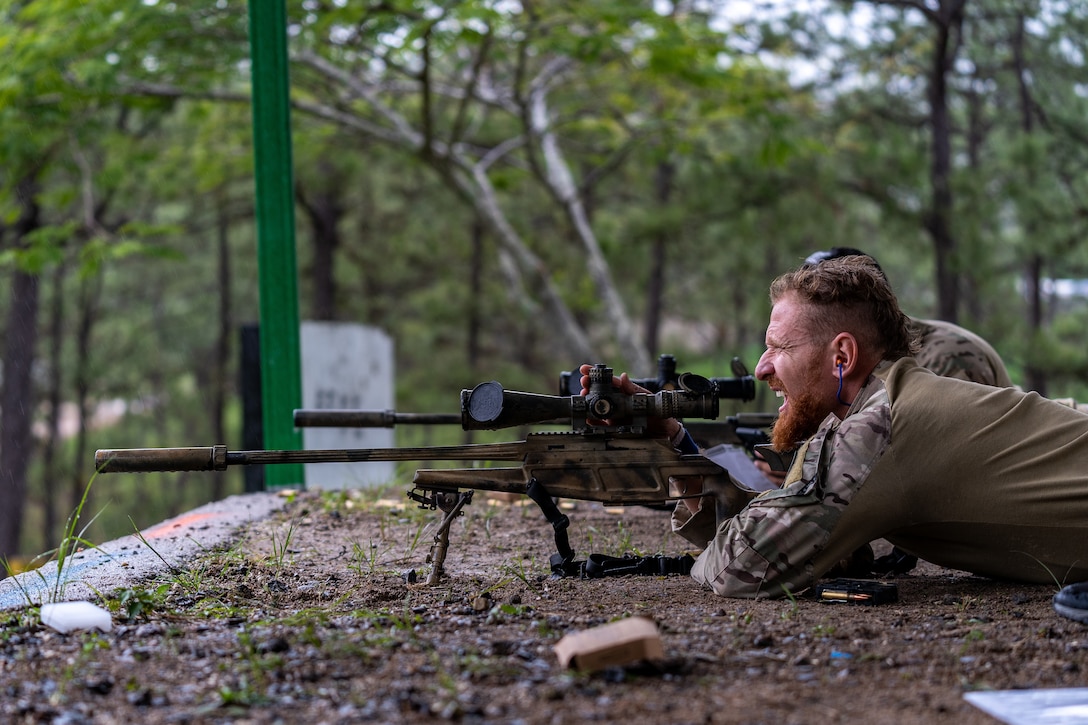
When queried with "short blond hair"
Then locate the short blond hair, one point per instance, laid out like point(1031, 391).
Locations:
point(850, 294)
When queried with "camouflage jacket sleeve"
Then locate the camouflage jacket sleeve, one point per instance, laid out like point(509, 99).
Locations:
point(773, 546)
point(954, 352)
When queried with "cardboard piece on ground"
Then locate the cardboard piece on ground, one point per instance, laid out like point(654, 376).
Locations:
point(610, 645)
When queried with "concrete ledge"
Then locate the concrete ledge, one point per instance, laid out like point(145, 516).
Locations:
point(122, 562)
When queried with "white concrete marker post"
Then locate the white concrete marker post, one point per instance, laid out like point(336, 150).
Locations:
point(346, 366)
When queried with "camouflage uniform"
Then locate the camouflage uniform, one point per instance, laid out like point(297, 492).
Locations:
point(955, 352)
point(1008, 498)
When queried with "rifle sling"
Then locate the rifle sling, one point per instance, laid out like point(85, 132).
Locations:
point(598, 565)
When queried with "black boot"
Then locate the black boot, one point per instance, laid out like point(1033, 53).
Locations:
point(858, 565)
point(1072, 602)
point(897, 562)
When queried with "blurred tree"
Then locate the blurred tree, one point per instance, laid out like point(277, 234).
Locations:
point(933, 117)
point(58, 211)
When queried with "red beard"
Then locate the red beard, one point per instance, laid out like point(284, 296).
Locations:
point(801, 420)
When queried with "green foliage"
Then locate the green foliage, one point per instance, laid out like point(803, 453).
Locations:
point(281, 546)
point(684, 135)
point(43, 249)
point(138, 603)
point(73, 540)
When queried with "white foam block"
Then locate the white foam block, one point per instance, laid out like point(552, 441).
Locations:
point(68, 616)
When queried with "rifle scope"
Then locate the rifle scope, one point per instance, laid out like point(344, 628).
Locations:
point(489, 407)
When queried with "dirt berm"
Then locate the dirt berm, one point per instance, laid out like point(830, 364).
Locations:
point(314, 608)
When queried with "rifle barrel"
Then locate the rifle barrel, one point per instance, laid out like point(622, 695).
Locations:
point(217, 458)
point(347, 418)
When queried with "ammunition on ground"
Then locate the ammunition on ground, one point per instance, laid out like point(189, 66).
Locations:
point(846, 596)
point(857, 591)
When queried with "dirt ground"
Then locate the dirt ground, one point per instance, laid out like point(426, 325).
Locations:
point(322, 614)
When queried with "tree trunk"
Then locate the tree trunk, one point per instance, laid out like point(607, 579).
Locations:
point(514, 255)
point(976, 138)
point(475, 316)
point(324, 211)
point(476, 276)
point(17, 390)
point(1035, 376)
point(948, 20)
point(560, 183)
point(655, 289)
point(50, 472)
point(89, 295)
point(468, 177)
point(226, 332)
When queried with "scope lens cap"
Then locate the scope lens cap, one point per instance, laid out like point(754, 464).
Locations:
point(485, 402)
point(695, 384)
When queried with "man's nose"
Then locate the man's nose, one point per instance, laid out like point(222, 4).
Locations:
point(764, 368)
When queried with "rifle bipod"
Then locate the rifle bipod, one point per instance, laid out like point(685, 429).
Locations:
point(450, 503)
point(563, 563)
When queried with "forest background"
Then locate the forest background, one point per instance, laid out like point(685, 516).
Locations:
point(507, 189)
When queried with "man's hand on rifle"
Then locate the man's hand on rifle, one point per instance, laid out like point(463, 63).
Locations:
point(657, 427)
point(669, 428)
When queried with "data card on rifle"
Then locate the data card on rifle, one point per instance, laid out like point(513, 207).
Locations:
point(733, 459)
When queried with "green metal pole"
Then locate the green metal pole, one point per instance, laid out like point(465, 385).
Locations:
point(281, 378)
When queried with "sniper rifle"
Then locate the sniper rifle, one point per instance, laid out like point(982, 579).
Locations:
point(744, 429)
point(610, 456)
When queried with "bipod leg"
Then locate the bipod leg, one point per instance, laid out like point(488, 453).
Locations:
point(563, 563)
point(451, 503)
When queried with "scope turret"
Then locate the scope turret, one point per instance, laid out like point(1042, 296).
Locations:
point(742, 386)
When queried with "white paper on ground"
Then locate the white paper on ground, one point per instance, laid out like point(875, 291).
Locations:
point(1064, 706)
point(67, 616)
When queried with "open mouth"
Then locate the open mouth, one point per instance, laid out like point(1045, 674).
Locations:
point(779, 392)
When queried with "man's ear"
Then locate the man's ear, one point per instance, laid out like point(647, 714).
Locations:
point(844, 350)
